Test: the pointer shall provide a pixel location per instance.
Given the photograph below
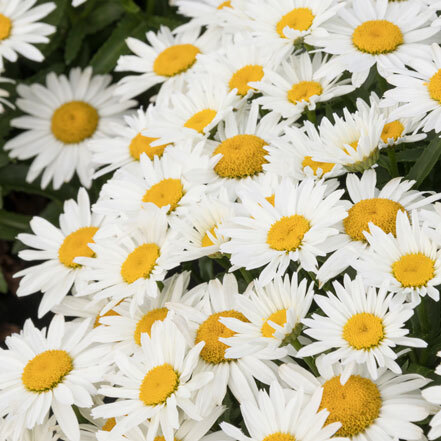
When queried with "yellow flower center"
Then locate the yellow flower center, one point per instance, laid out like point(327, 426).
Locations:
point(5, 27)
point(210, 331)
point(166, 192)
point(356, 405)
point(392, 130)
point(175, 60)
point(287, 233)
point(200, 120)
point(158, 384)
point(146, 323)
point(364, 331)
point(141, 144)
point(315, 165)
point(303, 91)
point(377, 37)
point(76, 244)
point(353, 144)
point(109, 425)
point(226, 4)
point(414, 270)
point(206, 241)
point(74, 122)
point(434, 86)
point(109, 313)
point(278, 317)
point(381, 212)
point(271, 199)
point(242, 156)
point(279, 436)
point(299, 19)
point(46, 370)
point(243, 76)
point(140, 262)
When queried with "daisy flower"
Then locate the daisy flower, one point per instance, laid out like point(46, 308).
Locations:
point(53, 370)
point(167, 57)
point(296, 87)
point(10, 430)
point(372, 32)
point(58, 248)
point(201, 310)
point(368, 409)
point(410, 261)
point(155, 383)
point(4, 94)
point(418, 91)
point(432, 395)
point(20, 29)
point(276, 417)
point(274, 315)
point(296, 228)
point(61, 118)
point(360, 326)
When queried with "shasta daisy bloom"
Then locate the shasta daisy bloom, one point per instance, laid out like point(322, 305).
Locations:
point(296, 85)
point(61, 118)
point(167, 57)
point(274, 313)
point(276, 416)
point(410, 262)
point(372, 32)
point(20, 29)
point(296, 228)
point(201, 310)
point(53, 370)
point(4, 94)
point(155, 383)
point(369, 410)
point(361, 327)
point(10, 430)
point(57, 248)
point(433, 395)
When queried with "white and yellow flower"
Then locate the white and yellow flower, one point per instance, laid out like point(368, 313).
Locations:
point(433, 395)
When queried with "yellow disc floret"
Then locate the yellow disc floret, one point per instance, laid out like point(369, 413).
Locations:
point(109, 313)
point(5, 27)
point(381, 212)
point(74, 122)
point(76, 244)
point(279, 436)
point(287, 233)
point(200, 120)
point(303, 91)
point(356, 405)
point(377, 37)
point(46, 370)
point(141, 144)
point(278, 317)
point(210, 331)
point(242, 156)
point(299, 19)
point(166, 192)
point(392, 130)
point(326, 167)
point(226, 4)
point(364, 331)
point(245, 75)
point(206, 241)
point(158, 384)
point(175, 60)
point(140, 262)
point(145, 324)
point(434, 86)
point(109, 425)
point(414, 270)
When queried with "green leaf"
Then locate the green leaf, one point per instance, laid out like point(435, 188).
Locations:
point(12, 223)
point(103, 16)
point(410, 155)
point(425, 162)
point(130, 6)
point(74, 41)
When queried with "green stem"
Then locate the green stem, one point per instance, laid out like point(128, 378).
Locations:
point(150, 7)
point(423, 320)
point(310, 114)
point(246, 275)
point(393, 162)
point(292, 339)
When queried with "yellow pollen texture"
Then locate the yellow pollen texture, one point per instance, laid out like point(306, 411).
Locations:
point(377, 37)
point(210, 331)
point(76, 245)
point(5, 27)
point(74, 122)
point(414, 270)
point(226, 4)
point(287, 233)
point(303, 91)
point(109, 425)
point(200, 120)
point(242, 156)
point(175, 60)
point(299, 19)
point(158, 384)
point(381, 212)
point(434, 86)
point(206, 241)
point(326, 167)
point(245, 75)
point(46, 370)
point(392, 130)
point(141, 144)
point(278, 317)
point(146, 323)
point(356, 405)
point(166, 192)
point(140, 262)
point(279, 436)
point(364, 331)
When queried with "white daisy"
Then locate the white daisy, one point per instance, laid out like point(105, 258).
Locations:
point(369, 410)
point(433, 395)
point(410, 262)
point(10, 430)
point(51, 370)
point(4, 94)
point(296, 228)
point(61, 118)
point(155, 383)
point(20, 29)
